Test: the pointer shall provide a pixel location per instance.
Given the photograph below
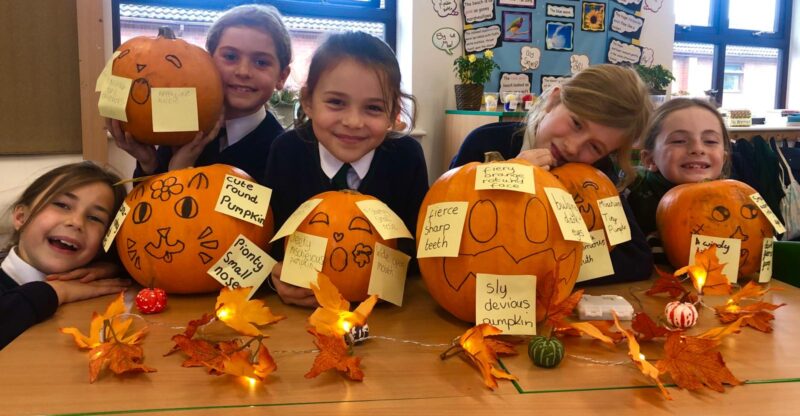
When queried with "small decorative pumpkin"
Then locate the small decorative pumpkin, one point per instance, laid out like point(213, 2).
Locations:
point(505, 232)
point(167, 62)
point(173, 235)
point(721, 208)
point(587, 184)
point(545, 352)
point(351, 240)
point(681, 314)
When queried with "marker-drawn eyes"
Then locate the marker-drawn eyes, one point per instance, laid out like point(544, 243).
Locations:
point(749, 211)
point(141, 213)
point(186, 207)
point(320, 217)
point(720, 213)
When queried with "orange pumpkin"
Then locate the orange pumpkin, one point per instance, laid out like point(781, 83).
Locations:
point(586, 184)
point(173, 235)
point(351, 240)
point(167, 62)
point(505, 232)
point(721, 208)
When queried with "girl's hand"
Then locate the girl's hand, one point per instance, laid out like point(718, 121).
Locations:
point(186, 155)
point(145, 154)
point(72, 291)
point(539, 157)
point(94, 271)
point(289, 294)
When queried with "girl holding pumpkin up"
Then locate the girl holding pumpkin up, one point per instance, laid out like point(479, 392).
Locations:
point(600, 111)
point(350, 101)
point(251, 48)
point(59, 222)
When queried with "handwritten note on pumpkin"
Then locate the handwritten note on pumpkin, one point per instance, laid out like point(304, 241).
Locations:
point(388, 276)
point(174, 109)
point(116, 224)
point(114, 98)
point(614, 220)
point(305, 254)
point(102, 79)
point(244, 199)
point(728, 251)
point(507, 302)
point(507, 176)
point(442, 229)
point(773, 219)
point(596, 258)
point(765, 272)
point(296, 218)
point(569, 218)
point(388, 224)
point(243, 265)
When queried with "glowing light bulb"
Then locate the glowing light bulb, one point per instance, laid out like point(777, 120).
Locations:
point(252, 381)
point(642, 357)
point(345, 325)
point(223, 313)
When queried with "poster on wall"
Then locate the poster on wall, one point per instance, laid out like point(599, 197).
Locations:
point(518, 83)
point(558, 10)
point(626, 24)
point(516, 26)
point(620, 52)
point(593, 17)
point(476, 11)
point(482, 38)
point(559, 36)
point(517, 3)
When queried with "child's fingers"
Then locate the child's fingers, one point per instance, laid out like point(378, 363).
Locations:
point(70, 275)
point(539, 157)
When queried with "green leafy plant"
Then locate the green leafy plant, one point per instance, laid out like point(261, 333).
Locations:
point(472, 69)
point(657, 77)
point(286, 96)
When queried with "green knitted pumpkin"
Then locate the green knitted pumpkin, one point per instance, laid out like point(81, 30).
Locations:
point(545, 352)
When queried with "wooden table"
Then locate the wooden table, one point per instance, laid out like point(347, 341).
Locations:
point(43, 372)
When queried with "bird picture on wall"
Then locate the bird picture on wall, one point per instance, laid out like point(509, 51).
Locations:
point(516, 26)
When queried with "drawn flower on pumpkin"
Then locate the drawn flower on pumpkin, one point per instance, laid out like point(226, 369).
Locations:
point(163, 189)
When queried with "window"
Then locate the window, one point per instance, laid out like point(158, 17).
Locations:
point(734, 50)
point(306, 20)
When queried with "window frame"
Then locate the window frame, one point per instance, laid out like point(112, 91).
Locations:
point(720, 36)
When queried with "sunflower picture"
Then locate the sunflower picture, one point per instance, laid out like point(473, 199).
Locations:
point(594, 17)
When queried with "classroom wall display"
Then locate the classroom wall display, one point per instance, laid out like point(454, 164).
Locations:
point(548, 41)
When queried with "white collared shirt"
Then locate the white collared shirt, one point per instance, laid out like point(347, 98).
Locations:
point(330, 165)
point(19, 270)
point(237, 128)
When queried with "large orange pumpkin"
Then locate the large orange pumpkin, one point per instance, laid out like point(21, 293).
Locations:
point(167, 62)
point(721, 208)
point(505, 232)
point(173, 235)
point(351, 240)
point(586, 184)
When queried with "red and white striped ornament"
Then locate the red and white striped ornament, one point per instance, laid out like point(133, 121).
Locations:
point(681, 314)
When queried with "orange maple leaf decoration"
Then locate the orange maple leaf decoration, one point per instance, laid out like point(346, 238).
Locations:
point(99, 332)
point(646, 329)
point(750, 290)
point(546, 300)
point(706, 273)
point(119, 357)
point(240, 363)
point(482, 351)
point(692, 364)
point(334, 354)
point(667, 283)
point(756, 315)
point(600, 330)
point(333, 316)
point(638, 358)
point(717, 333)
point(235, 310)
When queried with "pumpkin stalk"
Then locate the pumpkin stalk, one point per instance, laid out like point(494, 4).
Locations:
point(166, 32)
point(493, 156)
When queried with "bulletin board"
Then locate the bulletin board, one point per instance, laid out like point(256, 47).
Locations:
point(539, 43)
point(40, 105)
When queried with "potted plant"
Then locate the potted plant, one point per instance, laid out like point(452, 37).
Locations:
point(283, 103)
point(473, 71)
point(657, 77)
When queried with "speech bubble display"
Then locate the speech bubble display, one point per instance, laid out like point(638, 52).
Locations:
point(482, 38)
point(653, 5)
point(647, 57)
point(621, 52)
point(626, 24)
point(515, 83)
point(446, 39)
point(550, 81)
point(578, 63)
point(445, 8)
point(556, 10)
point(529, 58)
point(478, 11)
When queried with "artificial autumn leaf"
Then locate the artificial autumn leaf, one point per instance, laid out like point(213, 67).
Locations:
point(479, 348)
point(98, 332)
point(706, 273)
point(547, 300)
point(646, 329)
point(692, 364)
point(333, 316)
point(333, 354)
point(590, 329)
point(755, 315)
point(720, 332)
point(119, 357)
point(562, 309)
point(667, 283)
point(239, 363)
point(577, 328)
point(237, 312)
point(750, 290)
point(191, 328)
point(638, 358)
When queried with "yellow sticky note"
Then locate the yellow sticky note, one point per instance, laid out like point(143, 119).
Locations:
point(506, 301)
point(388, 224)
point(113, 229)
point(773, 219)
point(244, 199)
point(296, 218)
point(596, 260)
point(102, 79)
point(174, 109)
point(765, 273)
point(569, 218)
point(388, 276)
point(245, 264)
point(728, 251)
point(442, 229)
point(614, 220)
point(507, 176)
point(114, 98)
point(305, 254)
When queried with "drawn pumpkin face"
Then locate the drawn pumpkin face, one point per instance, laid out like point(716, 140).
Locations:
point(167, 62)
point(505, 232)
point(720, 208)
point(173, 235)
point(351, 241)
point(586, 184)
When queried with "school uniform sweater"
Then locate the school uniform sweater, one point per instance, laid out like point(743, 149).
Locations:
point(631, 260)
point(22, 306)
point(248, 154)
point(397, 176)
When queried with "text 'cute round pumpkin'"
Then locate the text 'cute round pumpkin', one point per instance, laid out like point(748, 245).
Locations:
point(167, 62)
point(505, 232)
point(721, 208)
point(350, 251)
point(173, 235)
point(587, 184)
